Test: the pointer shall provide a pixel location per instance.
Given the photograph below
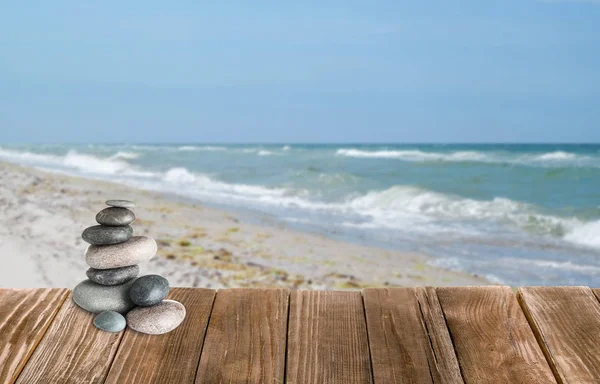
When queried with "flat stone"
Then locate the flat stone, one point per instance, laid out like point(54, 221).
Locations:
point(98, 298)
point(115, 217)
point(110, 321)
point(134, 251)
point(104, 235)
point(149, 290)
point(121, 203)
point(113, 276)
point(157, 319)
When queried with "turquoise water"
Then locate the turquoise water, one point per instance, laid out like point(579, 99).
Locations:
point(518, 214)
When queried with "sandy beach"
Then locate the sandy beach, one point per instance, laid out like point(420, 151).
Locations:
point(42, 215)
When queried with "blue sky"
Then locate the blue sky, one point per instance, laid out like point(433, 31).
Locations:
point(334, 71)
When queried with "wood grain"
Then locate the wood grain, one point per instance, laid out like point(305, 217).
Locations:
point(245, 339)
point(72, 351)
point(397, 336)
point(443, 363)
point(169, 358)
point(566, 321)
point(596, 292)
point(491, 336)
point(327, 339)
point(25, 315)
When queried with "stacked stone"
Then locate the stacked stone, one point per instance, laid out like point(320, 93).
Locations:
point(113, 289)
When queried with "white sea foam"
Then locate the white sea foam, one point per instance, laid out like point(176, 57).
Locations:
point(286, 148)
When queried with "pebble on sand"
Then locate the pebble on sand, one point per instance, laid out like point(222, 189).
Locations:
point(113, 276)
point(134, 251)
point(149, 290)
point(121, 203)
point(99, 298)
point(104, 235)
point(110, 321)
point(158, 319)
point(115, 217)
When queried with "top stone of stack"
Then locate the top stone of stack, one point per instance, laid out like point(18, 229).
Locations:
point(120, 203)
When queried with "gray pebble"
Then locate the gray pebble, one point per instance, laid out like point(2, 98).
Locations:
point(158, 319)
point(110, 321)
point(149, 290)
point(104, 235)
point(113, 276)
point(121, 203)
point(138, 249)
point(115, 217)
point(98, 298)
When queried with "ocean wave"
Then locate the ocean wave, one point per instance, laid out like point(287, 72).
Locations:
point(412, 155)
point(286, 148)
point(125, 155)
point(76, 161)
point(202, 148)
point(558, 155)
point(263, 152)
point(587, 234)
point(550, 159)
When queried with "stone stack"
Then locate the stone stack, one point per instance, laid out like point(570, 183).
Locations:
point(113, 289)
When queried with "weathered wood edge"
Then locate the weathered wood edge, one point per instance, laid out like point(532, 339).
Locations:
point(538, 336)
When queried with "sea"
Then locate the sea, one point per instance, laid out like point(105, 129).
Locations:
point(518, 214)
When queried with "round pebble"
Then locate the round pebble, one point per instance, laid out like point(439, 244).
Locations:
point(149, 290)
point(138, 249)
point(115, 217)
point(113, 276)
point(157, 319)
point(121, 203)
point(104, 235)
point(110, 321)
point(98, 298)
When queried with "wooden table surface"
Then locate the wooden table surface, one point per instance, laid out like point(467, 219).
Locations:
point(388, 335)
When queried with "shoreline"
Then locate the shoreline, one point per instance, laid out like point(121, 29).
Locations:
point(42, 215)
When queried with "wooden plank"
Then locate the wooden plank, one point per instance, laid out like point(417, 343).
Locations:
point(72, 351)
point(169, 358)
point(245, 340)
point(327, 339)
point(25, 315)
point(566, 322)
point(401, 349)
point(443, 363)
point(492, 338)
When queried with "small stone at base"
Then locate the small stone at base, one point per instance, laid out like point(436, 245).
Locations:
point(110, 321)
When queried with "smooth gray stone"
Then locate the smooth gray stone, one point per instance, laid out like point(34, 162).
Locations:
point(138, 249)
point(110, 321)
point(121, 203)
point(115, 217)
point(104, 235)
point(157, 319)
point(113, 276)
point(149, 290)
point(98, 298)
